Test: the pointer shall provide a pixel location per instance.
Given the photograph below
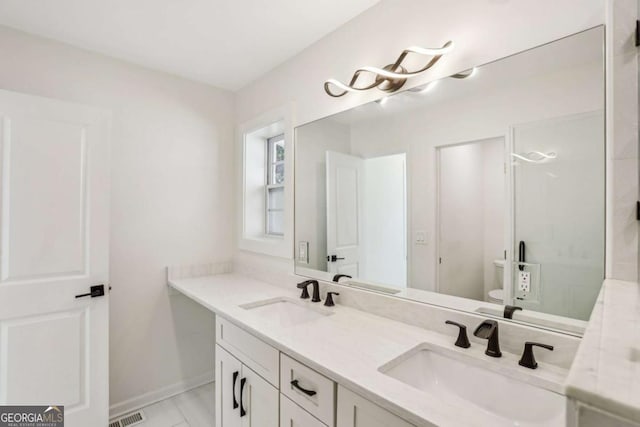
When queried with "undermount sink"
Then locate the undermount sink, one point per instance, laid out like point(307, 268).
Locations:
point(507, 401)
point(285, 312)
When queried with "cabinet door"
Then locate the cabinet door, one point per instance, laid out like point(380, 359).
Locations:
point(228, 376)
point(355, 411)
point(259, 399)
point(292, 415)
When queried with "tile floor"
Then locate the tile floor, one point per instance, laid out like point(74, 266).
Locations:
point(193, 408)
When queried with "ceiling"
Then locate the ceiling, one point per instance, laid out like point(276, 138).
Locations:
point(226, 43)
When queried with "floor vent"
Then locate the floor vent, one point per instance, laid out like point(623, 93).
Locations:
point(128, 420)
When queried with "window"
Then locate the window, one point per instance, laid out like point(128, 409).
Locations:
point(274, 188)
point(266, 202)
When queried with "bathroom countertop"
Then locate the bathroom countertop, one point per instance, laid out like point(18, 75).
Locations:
point(606, 370)
point(350, 345)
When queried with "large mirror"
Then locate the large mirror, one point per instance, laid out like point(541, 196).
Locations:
point(471, 193)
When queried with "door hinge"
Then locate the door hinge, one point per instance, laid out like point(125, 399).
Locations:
point(637, 33)
point(439, 260)
point(638, 210)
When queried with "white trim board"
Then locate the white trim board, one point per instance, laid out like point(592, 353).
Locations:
point(121, 408)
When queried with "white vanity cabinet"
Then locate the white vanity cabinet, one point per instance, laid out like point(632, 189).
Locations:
point(292, 415)
point(243, 398)
point(247, 377)
point(355, 411)
point(314, 393)
point(257, 386)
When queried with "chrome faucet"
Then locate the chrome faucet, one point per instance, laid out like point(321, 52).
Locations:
point(488, 330)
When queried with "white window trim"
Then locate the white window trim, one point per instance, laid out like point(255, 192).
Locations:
point(273, 245)
point(268, 186)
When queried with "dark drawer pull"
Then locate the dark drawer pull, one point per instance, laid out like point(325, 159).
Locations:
point(242, 410)
point(295, 384)
point(233, 390)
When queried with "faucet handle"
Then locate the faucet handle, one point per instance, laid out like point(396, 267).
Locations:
point(528, 360)
point(462, 340)
point(337, 277)
point(303, 286)
point(329, 301)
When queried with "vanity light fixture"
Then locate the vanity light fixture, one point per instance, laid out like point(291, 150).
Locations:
point(393, 76)
point(462, 75)
point(465, 74)
point(535, 156)
point(426, 87)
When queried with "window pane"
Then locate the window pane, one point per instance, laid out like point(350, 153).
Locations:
point(277, 174)
point(279, 151)
point(275, 222)
point(275, 198)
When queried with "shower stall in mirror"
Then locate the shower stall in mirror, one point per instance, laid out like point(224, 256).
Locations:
point(558, 214)
point(521, 220)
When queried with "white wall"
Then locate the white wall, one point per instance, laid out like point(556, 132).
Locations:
point(485, 31)
point(622, 139)
point(171, 200)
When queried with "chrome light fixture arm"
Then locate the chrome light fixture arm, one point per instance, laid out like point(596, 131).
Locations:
point(393, 76)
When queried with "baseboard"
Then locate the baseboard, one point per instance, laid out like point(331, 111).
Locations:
point(155, 396)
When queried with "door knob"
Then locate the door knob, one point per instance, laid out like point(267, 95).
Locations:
point(333, 258)
point(96, 291)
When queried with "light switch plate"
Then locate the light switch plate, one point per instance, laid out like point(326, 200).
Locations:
point(421, 237)
point(303, 252)
point(524, 281)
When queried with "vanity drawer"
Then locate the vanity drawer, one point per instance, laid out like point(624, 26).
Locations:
point(253, 352)
point(319, 400)
point(356, 411)
point(291, 415)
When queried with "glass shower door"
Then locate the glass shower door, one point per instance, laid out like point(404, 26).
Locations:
point(558, 170)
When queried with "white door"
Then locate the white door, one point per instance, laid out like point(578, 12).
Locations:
point(54, 230)
point(228, 378)
point(259, 400)
point(344, 194)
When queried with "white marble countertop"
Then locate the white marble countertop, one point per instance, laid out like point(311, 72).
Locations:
point(606, 370)
point(350, 345)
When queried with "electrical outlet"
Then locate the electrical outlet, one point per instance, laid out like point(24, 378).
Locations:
point(303, 252)
point(524, 281)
